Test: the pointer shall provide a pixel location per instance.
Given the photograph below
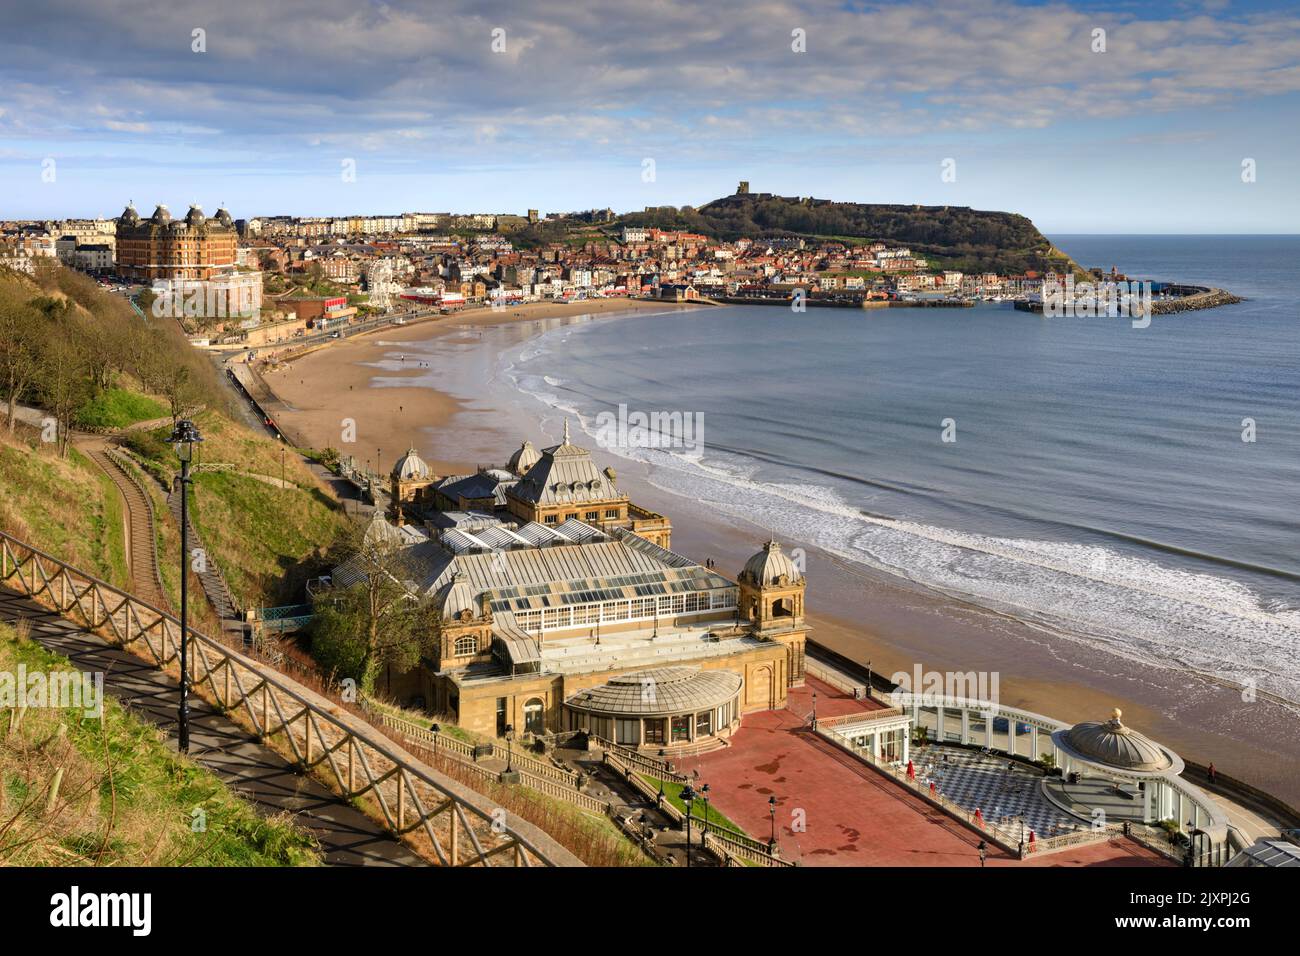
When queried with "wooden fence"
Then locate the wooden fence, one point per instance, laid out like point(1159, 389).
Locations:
point(445, 819)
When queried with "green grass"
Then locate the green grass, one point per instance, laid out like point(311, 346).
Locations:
point(117, 408)
point(673, 794)
point(66, 507)
point(125, 798)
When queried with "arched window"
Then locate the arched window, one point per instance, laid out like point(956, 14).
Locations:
point(465, 646)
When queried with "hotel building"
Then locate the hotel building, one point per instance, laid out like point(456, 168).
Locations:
point(160, 247)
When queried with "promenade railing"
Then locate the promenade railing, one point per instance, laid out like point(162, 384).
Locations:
point(447, 820)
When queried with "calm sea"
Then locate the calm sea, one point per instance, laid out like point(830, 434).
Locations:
point(1098, 484)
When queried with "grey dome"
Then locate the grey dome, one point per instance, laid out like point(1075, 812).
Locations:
point(411, 467)
point(524, 458)
point(1112, 744)
point(129, 215)
point(659, 691)
point(223, 217)
point(161, 215)
point(195, 217)
point(455, 597)
point(770, 566)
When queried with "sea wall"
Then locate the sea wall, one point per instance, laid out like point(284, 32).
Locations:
point(1191, 297)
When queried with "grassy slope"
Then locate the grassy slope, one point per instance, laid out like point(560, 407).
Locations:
point(66, 507)
point(119, 407)
point(264, 538)
point(125, 799)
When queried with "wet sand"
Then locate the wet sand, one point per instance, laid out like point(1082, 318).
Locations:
point(866, 615)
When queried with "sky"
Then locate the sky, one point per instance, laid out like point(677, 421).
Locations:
point(1106, 117)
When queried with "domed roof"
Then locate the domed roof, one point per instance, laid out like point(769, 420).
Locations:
point(659, 691)
point(1112, 744)
point(129, 215)
point(524, 458)
point(411, 467)
point(195, 217)
point(161, 215)
point(769, 566)
point(455, 597)
point(223, 217)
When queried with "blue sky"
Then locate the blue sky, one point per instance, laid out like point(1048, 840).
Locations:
point(101, 103)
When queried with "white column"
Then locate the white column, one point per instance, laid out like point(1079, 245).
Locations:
point(965, 726)
point(1146, 800)
point(1012, 726)
point(875, 745)
point(938, 721)
point(907, 740)
point(1033, 745)
point(988, 730)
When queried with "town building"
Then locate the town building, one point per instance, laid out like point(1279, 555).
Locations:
point(160, 247)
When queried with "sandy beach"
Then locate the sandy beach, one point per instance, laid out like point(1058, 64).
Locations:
point(396, 400)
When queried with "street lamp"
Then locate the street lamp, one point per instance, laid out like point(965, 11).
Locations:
point(771, 809)
point(510, 735)
point(688, 797)
point(814, 710)
point(184, 437)
point(704, 795)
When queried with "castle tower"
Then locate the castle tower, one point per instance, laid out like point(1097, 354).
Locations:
point(771, 600)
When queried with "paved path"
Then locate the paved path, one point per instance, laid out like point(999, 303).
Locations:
point(347, 836)
point(141, 543)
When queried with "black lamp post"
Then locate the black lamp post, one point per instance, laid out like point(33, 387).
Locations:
point(510, 735)
point(184, 437)
point(814, 710)
point(688, 797)
point(704, 795)
point(771, 809)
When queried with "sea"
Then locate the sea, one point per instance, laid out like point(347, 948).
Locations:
point(1134, 490)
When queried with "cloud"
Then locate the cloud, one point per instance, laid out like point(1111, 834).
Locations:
point(297, 85)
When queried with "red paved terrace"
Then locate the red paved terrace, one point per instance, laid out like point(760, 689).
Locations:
point(854, 815)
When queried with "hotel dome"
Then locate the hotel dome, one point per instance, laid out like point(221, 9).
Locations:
point(770, 566)
point(195, 217)
point(1114, 746)
point(411, 467)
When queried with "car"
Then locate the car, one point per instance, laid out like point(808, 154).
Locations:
point(1000, 723)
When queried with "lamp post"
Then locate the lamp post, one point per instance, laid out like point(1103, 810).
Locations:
point(814, 710)
point(184, 437)
point(510, 735)
point(704, 795)
point(688, 797)
point(771, 810)
point(984, 853)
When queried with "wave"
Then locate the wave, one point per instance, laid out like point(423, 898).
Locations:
point(1131, 605)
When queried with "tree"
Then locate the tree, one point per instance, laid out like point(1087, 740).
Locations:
point(21, 328)
point(378, 620)
point(64, 384)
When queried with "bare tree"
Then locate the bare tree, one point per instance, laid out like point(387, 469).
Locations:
point(21, 327)
point(380, 619)
point(64, 384)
